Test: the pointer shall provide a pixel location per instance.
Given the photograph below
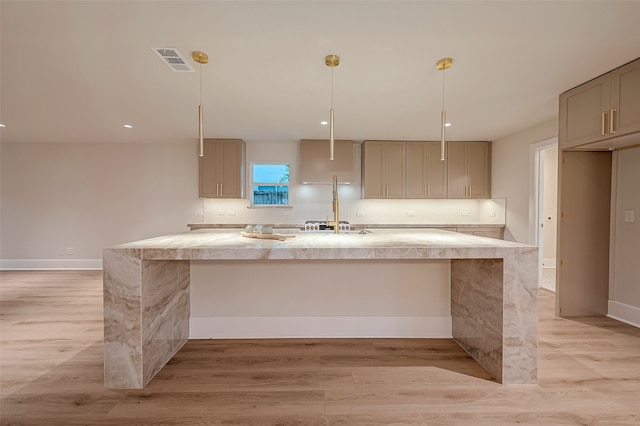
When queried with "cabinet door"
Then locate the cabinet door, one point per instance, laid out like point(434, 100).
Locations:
point(436, 171)
point(478, 169)
point(231, 169)
point(583, 113)
point(373, 162)
point(416, 170)
point(625, 99)
point(426, 174)
point(209, 185)
point(394, 171)
point(221, 173)
point(456, 170)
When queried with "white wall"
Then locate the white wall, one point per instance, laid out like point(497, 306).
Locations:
point(511, 175)
point(624, 287)
point(89, 196)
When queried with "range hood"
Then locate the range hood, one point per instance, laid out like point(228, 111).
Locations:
point(315, 167)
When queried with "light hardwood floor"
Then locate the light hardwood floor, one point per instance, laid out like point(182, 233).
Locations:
point(51, 373)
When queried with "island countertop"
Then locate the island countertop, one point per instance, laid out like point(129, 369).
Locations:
point(147, 291)
point(376, 244)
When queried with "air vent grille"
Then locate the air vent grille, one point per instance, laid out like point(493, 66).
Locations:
point(173, 59)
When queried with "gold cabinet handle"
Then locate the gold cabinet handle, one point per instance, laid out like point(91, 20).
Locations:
point(603, 128)
point(428, 191)
point(611, 121)
point(221, 189)
point(469, 191)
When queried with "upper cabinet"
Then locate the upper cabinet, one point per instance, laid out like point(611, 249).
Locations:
point(222, 169)
point(426, 174)
point(601, 109)
point(625, 99)
point(383, 169)
point(315, 165)
point(469, 170)
point(396, 169)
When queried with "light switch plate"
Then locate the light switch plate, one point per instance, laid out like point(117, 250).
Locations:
point(629, 216)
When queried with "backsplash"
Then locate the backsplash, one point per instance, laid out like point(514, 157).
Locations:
point(313, 202)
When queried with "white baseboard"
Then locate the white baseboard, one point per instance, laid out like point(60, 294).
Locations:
point(625, 313)
point(318, 327)
point(49, 264)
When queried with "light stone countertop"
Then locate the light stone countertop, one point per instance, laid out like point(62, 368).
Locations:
point(147, 290)
point(357, 226)
point(377, 244)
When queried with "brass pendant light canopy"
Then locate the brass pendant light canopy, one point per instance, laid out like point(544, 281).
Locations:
point(444, 64)
point(200, 57)
point(332, 60)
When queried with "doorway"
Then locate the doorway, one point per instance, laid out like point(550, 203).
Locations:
point(545, 208)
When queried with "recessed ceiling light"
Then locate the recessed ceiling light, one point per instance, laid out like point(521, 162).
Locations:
point(128, 126)
point(447, 124)
point(324, 123)
point(2, 125)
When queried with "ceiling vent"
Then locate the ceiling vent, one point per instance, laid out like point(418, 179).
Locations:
point(173, 59)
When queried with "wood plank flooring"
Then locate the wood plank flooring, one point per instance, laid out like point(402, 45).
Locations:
point(51, 372)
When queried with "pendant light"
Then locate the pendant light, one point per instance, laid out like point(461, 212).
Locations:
point(441, 65)
point(331, 61)
point(201, 58)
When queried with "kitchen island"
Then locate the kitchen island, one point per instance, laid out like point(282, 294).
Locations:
point(147, 286)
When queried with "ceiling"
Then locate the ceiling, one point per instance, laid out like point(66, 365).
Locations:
point(76, 71)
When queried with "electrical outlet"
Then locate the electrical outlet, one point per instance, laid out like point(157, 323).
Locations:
point(221, 212)
point(231, 212)
point(411, 213)
point(629, 216)
point(492, 214)
point(464, 213)
point(68, 251)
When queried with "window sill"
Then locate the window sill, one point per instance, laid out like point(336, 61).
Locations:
point(266, 206)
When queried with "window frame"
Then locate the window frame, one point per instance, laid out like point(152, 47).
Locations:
point(253, 184)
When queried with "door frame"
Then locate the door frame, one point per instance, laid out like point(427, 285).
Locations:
point(536, 195)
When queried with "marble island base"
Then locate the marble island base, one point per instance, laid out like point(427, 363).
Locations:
point(147, 292)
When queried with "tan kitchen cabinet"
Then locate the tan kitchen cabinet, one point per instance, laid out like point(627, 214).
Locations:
point(603, 108)
point(468, 169)
point(426, 174)
point(383, 169)
point(222, 169)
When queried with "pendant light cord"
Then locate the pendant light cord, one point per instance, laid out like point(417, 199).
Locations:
point(443, 89)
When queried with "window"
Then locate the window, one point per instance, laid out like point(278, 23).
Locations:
point(270, 184)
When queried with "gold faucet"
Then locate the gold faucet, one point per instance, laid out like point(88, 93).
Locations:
point(336, 216)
